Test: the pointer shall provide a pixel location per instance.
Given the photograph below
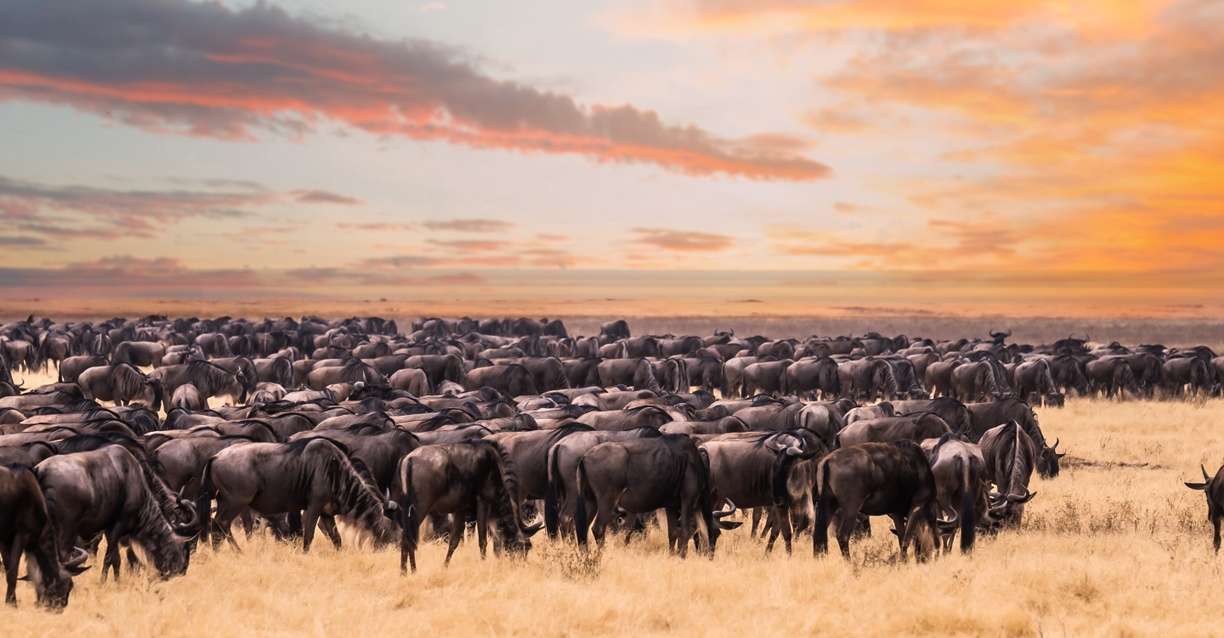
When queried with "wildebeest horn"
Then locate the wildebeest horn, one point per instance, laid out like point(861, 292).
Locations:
point(76, 562)
point(726, 512)
point(1206, 477)
point(1021, 498)
point(1055, 446)
point(190, 527)
point(947, 524)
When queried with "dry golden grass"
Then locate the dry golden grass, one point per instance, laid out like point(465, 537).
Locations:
point(1114, 546)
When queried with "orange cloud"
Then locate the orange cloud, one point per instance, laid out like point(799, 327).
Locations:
point(684, 241)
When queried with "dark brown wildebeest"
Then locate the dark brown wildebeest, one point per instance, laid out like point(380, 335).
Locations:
point(639, 476)
point(1214, 489)
point(877, 479)
point(639, 417)
point(183, 459)
point(26, 528)
point(528, 451)
point(993, 413)
point(955, 413)
point(1010, 455)
point(465, 480)
point(563, 471)
point(958, 467)
point(106, 491)
point(975, 381)
point(313, 476)
point(813, 376)
point(912, 427)
point(121, 383)
point(210, 379)
point(1034, 381)
point(867, 379)
point(72, 367)
point(774, 470)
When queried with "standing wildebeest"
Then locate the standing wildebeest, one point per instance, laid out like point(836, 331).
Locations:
point(877, 479)
point(773, 470)
point(313, 476)
point(867, 379)
point(959, 467)
point(632, 372)
point(528, 451)
point(1112, 375)
point(1214, 489)
point(26, 528)
point(1010, 455)
point(139, 353)
point(439, 367)
point(811, 376)
point(1069, 374)
point(187, 397)
point(938, 376)
point(975, 382)
point(466, 480)
point(411, 380)
point(108, 490)
point(511, 380)
point(955, 413)
point(1187, 375)
point(210, 379)
point(767, 377)
point(563, 460)
point(992, 413)
point(1033, 380)
point(911, 427)
point(72, 367)
point(640, 476)
point(121, 383)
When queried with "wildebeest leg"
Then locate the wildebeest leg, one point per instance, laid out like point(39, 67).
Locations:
point(248, 523)
point(133, 562)
point(781, 522)
point(1215, 522)
point(673, 530)
point(111, 559)
point(847, 522)
point(310, 520)
point(756, 521)
point(686, 526)
point(902, 532)
point(11, 554)
point(482, 527)
point(222, 526)
point(458, 523)
point(327, 524)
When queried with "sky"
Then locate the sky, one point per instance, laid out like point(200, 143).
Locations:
point(667, 156)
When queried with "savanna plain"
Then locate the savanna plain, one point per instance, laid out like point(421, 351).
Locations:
point(1115, 545)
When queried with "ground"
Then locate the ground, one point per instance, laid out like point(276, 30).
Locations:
point(1116, 545)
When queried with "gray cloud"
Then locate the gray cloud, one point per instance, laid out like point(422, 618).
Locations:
point(204, 69)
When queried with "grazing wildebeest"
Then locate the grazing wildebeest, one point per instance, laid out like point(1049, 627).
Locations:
point(813, 376)
point(990, 414)
point(26, 528)
point(107, 490)
point(121, 383)
point(187, 397)
point(210, 379)
point(955, 413)
point(465, 480)
point(975, 381)
point(1213, 487)
point(959, 467)
point(643, 475)
point(877, 479)
point(867, 379)
point(1010, 454)
point(773, 470)
point(563, 459)
point(312, 476)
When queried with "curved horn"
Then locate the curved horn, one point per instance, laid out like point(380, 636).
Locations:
point(1205, 476)
point(726, 512)
point(1021, 498)
point(77, 558)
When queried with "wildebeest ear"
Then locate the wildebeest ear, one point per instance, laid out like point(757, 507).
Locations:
point(1196, 486)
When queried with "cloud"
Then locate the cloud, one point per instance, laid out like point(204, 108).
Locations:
point(19, 242)
point(469, 225)
point(376, 226)
point(129, 273)
point(468, 245)
point(204, 69)
point(324, 197)
point(684, 241)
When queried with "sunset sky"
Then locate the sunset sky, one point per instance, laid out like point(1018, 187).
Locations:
point(706, 156)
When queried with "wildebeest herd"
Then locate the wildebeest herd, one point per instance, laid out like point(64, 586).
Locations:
point(512, 425)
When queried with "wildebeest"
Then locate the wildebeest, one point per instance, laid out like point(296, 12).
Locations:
point(1010, 455)
point(1213, 488)
point(912, 427)
point(958, 467)
point(121, 383)
point(877, 479)
point(26, 528)
point(638, 476)
point(106, 490)
point(312, 476)
point(563, 457)
point(464, 480)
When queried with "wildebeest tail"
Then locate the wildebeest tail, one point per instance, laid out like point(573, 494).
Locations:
point(409, 516)
point(823, 498)
point(204, 501)
point(968, 517)
point(552, 495)
point(581, 521)
point(781, 476)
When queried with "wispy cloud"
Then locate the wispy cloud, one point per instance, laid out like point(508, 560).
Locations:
point(684, 241)
point(469, 225)
point(204, 69)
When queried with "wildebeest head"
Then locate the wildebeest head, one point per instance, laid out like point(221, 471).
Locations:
point(1047, 460)
point(52, 577)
